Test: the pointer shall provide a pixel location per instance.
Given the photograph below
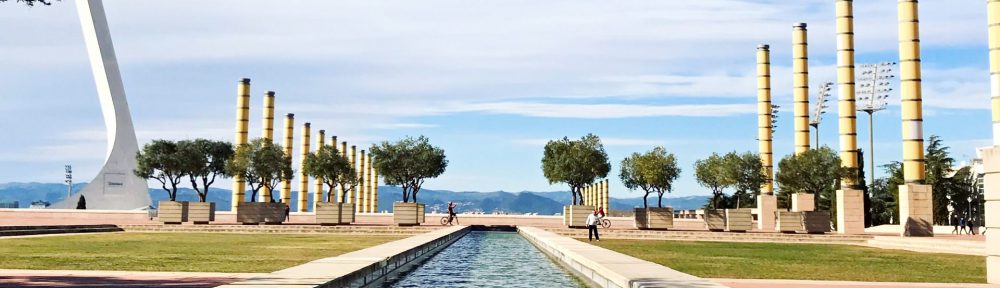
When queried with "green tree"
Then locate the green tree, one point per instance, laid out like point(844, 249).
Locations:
point(163, 161)
point(746, 175)
point(327, 164)
point(712, 173)
point(408, 162)
point(82, 203)
point(33, 2)
point(653, 172)
point(262, 164)
point(938, 170)
point(815, 171)
point(204, 160)
point(576, 163)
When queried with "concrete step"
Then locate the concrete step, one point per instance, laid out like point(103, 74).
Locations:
point(43, 230)
point(293, 229)
point(930, 245)
point(719, 236)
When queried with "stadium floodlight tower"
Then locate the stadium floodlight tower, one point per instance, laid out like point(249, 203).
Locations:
point(821, 98)
point(115, 187)
point(873, 89)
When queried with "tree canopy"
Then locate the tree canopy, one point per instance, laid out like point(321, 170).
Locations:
point(712, 173)
point(33, 2)
point(164, 161)
point(204, 160)
point(328, 164)
point(813, 171)
point(262, 164)
point(408, 162)
point(575, 162)
point(746, 176)
point(653, 172)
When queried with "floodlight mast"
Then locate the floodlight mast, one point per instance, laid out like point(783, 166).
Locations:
point(873, 91)
point(821, 98)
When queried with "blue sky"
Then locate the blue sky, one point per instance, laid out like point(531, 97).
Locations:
point(489, 82)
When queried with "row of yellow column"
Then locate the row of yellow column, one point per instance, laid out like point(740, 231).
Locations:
point(364, 195)
point(597, 194)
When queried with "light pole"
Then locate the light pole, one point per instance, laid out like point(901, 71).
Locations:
point(872, 94)
point(820, 108)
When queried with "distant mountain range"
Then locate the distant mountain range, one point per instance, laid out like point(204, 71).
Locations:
point(543, 203)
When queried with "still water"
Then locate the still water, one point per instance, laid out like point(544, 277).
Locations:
point(488, 259)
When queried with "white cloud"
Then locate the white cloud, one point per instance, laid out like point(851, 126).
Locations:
point(607, 111)
point(607, 141)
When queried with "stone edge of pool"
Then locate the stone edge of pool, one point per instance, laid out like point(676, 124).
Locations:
point(606, 268)
point(596, 265)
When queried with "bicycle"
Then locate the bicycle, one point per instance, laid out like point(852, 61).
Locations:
point(606, 224)
point(444, 220)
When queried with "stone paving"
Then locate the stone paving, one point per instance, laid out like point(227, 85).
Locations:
point(73, 278)
point(768, 283)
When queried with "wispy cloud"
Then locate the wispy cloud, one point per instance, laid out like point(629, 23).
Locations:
point(607, 141)
point(607, 111)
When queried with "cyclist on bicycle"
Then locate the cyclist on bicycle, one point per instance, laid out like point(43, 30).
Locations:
point(451, 212)
point(600, 212)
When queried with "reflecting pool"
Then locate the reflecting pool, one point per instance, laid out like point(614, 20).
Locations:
point(488, 259)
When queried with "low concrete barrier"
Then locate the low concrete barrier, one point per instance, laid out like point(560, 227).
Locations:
point(605, 268)
point(360, 268)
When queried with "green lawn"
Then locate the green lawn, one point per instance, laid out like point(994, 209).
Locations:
point(803, 261)
point(188, 252)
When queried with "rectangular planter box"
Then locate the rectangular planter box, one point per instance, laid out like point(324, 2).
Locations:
point(260, 212)
point(328, 213)
point(816, 222)
point(739, 220)
point(407, 214)
point(201, 212)
point(660, 218)
point(172, 212)
point(790, 222)
point(575, 216)
point(347, 214)
point(715, 219)
point(641, 221)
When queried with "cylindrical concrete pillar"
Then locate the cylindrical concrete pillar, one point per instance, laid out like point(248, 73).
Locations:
point(286, 184)
point(242, 121)
point(268, 124)
point(800, 85)
point(318, 195)
point(764, 118)
point(374, 190)
point(991, 179)
point(910, 92)
point(354, 190)
point(607, 195)
point(335, 191)
point(303, 177)
point(993, 15)
point(360, 204)
point(368, 186)
point(845, 87)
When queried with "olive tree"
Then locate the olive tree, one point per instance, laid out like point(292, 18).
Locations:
point(575, 162)
point(408, 162)
point(204, 160)
point(163, 161)
point(653, 172)
point(813, 171)
point(262, 164)
point(746, 175)
point(328, 164)
point(712, 173)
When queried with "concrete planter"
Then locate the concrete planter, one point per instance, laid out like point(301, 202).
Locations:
point(739, 220)
point(660, 218)
point(575, 216)
point(406, 214)
point(328, 213)
point(172, 212)
point(790, 222)
point(641, 221)
point(715, 219)
point(816, 222)
point(201, 212)
point(260, 212)
point(347, 214)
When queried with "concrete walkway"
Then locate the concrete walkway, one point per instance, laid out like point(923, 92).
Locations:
point(773, 283)
point(83, 278)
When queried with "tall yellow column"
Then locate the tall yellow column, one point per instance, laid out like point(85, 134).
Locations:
point(336, 191)
point(343, 153)
point(915, 210)
point(991, 156)
point(764, 118)
point(361, 184)
point(354, 190)
point(800, 83)
point(318, 195)
point(607, 195)
point(850, 201)
point(267, 133)
point(286, 184)
point(374, 190)
point(242, 121)
point(304, 178)
point(368, 187)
